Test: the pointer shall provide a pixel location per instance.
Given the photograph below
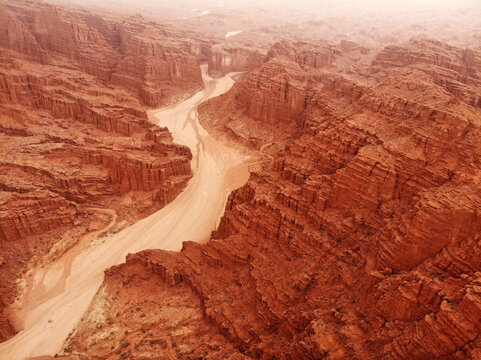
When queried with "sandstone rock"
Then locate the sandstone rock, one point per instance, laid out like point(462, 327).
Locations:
point(236, 59)
point(456, 71)
point(71, 139)
point(155, 63)
point(359, 234)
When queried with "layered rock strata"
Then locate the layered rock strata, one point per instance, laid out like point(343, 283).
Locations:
point(358, 236)
point(154, 62)
point(223, 60)
point(74, 132)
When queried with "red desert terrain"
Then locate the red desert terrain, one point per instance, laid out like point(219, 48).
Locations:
point(216, 187)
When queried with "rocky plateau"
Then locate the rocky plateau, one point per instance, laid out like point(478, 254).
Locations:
point(357, 235)
point(75, 135)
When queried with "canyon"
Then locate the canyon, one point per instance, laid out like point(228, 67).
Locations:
point(217, 171)
point(70, 142)
point(186, 190)
point(356, 236)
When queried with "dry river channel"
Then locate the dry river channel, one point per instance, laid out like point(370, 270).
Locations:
point(58, 295)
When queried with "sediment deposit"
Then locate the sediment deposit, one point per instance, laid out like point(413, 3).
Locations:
point(356, 237)
point(354, 232)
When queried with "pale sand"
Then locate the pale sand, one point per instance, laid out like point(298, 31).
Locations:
point(232, 33)
point(64, 291)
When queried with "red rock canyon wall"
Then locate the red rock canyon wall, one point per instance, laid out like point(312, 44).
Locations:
point(358, 234)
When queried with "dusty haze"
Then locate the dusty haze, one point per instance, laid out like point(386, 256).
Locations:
point(456, 22)
point(240, 179)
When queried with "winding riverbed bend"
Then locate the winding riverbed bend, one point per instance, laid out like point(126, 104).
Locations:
point(57, 297)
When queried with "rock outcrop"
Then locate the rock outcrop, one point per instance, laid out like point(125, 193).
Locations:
point(74, 132)
point(223, 60)
point(273, 101)
point(456, 71)
point(156, 63)
point(358, 236)
point(140, 334)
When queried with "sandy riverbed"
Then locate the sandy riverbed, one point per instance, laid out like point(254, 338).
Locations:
point(191, 216)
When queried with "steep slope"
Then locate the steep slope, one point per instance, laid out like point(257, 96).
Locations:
point(358, 234)
point(272, 102)
point(156, 63)
point(68, 144)
point(74, 133)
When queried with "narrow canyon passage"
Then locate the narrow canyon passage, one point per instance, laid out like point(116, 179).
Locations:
point(217, 171)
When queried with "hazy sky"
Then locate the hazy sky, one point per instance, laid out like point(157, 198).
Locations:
point(314, 7)
point(455, 21)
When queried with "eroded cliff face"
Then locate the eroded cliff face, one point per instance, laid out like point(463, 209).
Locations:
point(456, 71)
point(272, 103)
point(357, 236)
point(156, 63)
point(74, 132)
point(155, 322)
point(223, 60)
